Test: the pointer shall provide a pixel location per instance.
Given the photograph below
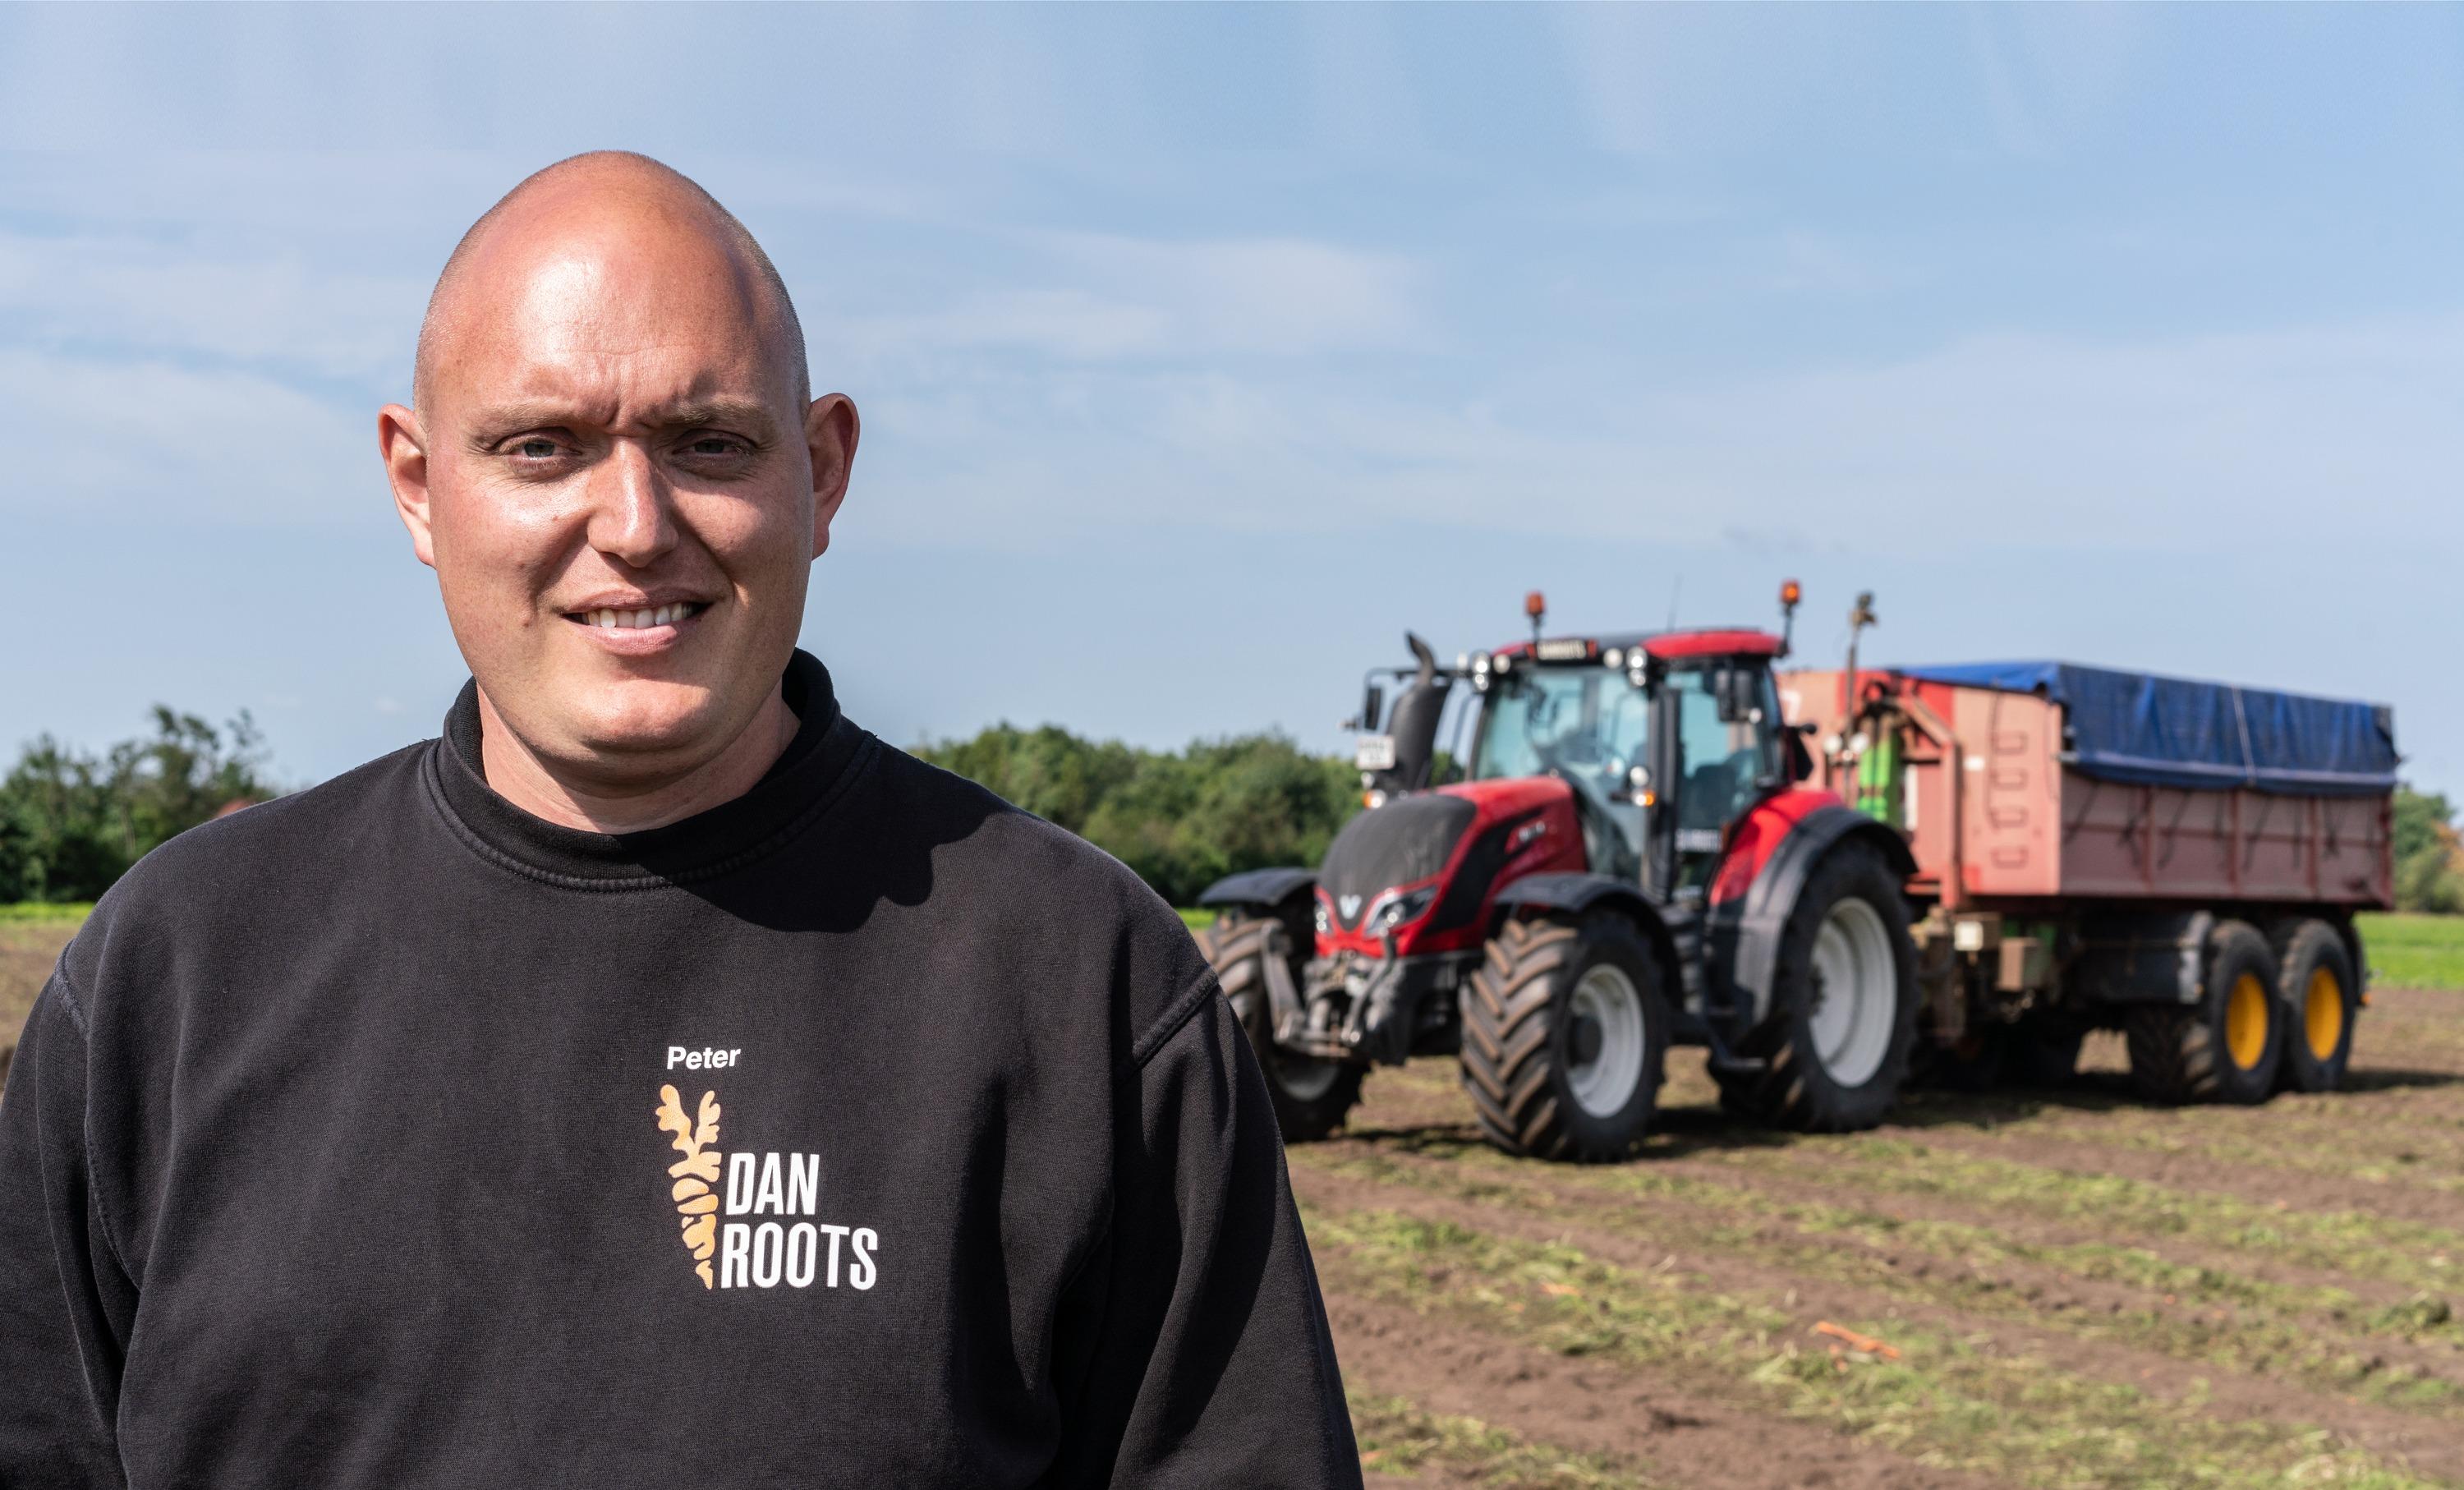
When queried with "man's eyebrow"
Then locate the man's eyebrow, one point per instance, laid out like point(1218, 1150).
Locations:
point(746, 416)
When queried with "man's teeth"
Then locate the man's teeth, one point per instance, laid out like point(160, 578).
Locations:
point(637, 619)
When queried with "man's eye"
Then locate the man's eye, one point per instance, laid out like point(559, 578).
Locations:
point(536, 448)
point(713, 445)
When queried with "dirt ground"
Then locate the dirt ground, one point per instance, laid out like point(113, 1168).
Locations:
point(2046, 1288)
point(28, 948)
point(2043, 1288)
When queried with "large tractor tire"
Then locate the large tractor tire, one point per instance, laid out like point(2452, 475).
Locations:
point(1311, 1096)
point(1833, 1049)
point(2314, 971)
point(2225, 1047)
point(1563, 1030)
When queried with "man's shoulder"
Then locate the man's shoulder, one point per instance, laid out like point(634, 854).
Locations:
point(221, 876)
point(1003, 869)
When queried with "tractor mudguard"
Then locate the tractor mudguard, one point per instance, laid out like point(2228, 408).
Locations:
point(1745, 931)
point(1572, 896)
point(1257, 887)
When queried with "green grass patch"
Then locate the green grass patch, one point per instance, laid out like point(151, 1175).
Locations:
point(40, 911)
point(2407, 1253)
point(1397, 1438)
point(1944, 1400)
point(1197, 920)
point(2198, 1315)
point(2410, 951)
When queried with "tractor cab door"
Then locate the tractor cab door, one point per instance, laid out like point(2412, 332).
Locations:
point(1720, 750)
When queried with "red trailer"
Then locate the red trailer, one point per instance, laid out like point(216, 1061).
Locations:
point(2176, 859)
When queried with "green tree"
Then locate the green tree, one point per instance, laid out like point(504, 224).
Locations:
point(2429, 855)
point(1181, 819)
point(71, 824)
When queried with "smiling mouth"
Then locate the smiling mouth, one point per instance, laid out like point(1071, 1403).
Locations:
point(617, 619)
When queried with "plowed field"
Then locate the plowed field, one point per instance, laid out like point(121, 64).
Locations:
point(2044, 1288)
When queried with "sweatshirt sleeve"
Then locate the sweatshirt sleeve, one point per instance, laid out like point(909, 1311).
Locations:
point(65, 1302)
point(1200, 1343)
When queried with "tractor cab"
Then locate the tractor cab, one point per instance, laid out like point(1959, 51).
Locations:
point(1664, 739)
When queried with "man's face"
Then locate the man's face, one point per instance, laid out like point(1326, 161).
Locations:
point(621, 496)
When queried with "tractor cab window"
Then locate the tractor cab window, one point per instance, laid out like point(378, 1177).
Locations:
point(1725, 760)
point(1585, 725)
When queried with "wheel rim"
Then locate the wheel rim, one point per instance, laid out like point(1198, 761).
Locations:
point(1856, 992)
point(1607, 1000)
point(2246, 1022)
point(2323, 1014)
point(1304, 1078)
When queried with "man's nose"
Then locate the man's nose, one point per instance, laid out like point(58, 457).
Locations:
point(632, 512)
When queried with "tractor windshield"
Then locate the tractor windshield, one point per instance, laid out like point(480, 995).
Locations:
point(1586, 725)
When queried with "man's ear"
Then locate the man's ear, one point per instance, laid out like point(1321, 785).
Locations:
point(404, 446)
point(830, 431)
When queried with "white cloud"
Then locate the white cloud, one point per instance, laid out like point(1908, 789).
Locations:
point(1123, 298)
point(2198, 444)
point(151, 440)
point(156, 298)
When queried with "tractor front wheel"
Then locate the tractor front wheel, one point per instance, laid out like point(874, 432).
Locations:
point(1311, 1096)
point(1563, 1035)
point(1834, 1048)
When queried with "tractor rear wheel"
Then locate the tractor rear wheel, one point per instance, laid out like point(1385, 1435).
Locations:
point(2314, 971)
point(1834, 1046)
point(1311, 1096)
point(2225, 1047)
point(1563, 1034)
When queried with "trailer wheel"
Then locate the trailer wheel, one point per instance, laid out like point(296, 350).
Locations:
point(1835, 1047)
point(1311, 1096)
point(1563, 1034)
point(2321, 998)
point(2225, 1047)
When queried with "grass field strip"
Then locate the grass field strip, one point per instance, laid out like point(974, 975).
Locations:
point(2192, 1314)
point(2406, 1254)
point(1397, 1437)
point(1944, 1401)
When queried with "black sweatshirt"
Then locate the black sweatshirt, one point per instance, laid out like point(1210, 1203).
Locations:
point(862, 1130)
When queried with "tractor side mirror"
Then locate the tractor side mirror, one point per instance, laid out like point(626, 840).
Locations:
point(1740, 694)
point(1373, 700)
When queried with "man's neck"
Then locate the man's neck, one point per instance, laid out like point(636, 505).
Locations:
point(522, 777)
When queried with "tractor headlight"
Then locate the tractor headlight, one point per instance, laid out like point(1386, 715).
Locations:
point(1397, 910)
point(1324, 926)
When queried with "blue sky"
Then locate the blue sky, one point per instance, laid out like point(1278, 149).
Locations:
point(1201, 351)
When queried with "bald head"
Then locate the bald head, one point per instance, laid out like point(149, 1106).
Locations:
point(591, 207)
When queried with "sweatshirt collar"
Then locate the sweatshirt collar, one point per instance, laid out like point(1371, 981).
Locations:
point(805, 780)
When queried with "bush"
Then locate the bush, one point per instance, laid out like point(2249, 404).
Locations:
point(71, 824)
point(1181, 819)
point(2429, 853)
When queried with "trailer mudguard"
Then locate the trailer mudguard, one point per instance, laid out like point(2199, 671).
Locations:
point(1576, 895)
point(1745, 931)
point(1257, 887)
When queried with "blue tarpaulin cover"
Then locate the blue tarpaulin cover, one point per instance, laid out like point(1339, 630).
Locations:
point(2172, 731)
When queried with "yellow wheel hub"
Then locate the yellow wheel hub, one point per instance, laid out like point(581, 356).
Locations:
point(2246, 1022)
point(2323, 1014)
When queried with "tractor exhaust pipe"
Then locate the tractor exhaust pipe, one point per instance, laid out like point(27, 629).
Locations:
point(1413, 723)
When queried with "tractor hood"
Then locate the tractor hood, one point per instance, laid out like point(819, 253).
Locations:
point(1426, 866)
point(1408, 840)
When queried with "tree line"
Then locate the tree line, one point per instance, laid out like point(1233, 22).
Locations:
point(70, 822)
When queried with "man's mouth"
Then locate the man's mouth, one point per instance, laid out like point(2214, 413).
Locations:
point(640, 617)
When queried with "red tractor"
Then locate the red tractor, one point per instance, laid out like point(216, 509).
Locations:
point(1628, 861)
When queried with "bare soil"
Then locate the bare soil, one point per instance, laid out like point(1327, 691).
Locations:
point(2257, 1285)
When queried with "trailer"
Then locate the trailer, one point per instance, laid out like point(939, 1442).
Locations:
point(2097, 848)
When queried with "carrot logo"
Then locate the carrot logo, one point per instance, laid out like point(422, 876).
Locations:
point(695, 1174)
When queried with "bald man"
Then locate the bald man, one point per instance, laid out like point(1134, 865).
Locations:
point(657, 1080)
